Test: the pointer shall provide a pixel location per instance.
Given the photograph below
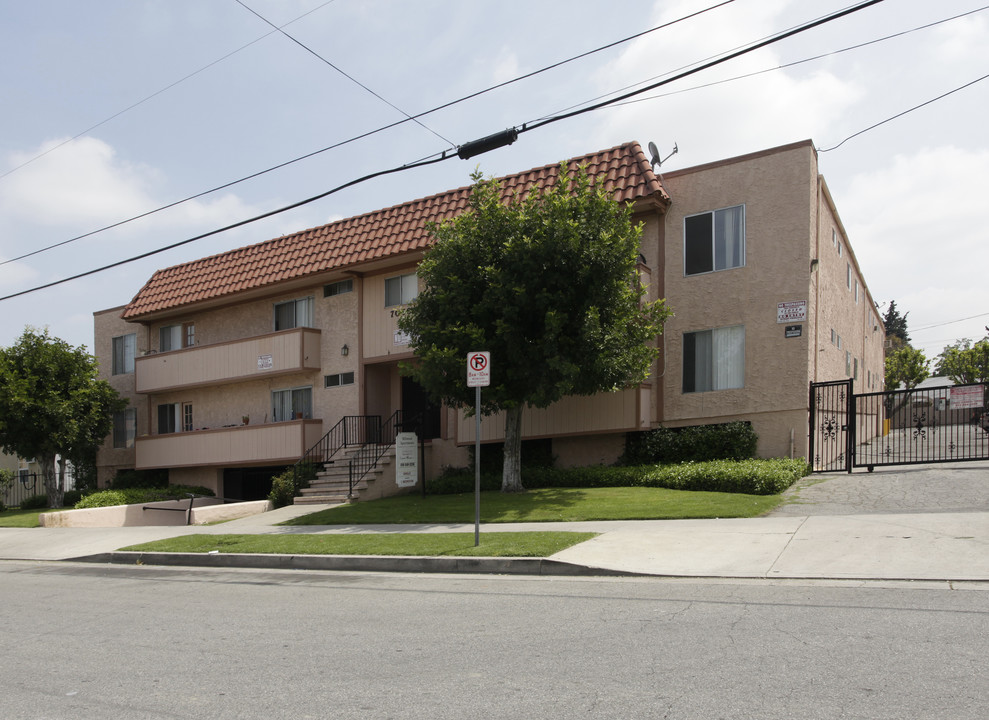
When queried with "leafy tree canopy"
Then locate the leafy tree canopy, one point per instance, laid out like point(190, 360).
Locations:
point(547, 283)
point(51, 403)
point(908, 366)
point(965, 363)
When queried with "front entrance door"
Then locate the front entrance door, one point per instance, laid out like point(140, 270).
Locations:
point(415, 401)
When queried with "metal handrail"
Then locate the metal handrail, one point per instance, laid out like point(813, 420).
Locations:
point(352, 430)
point(366, 458)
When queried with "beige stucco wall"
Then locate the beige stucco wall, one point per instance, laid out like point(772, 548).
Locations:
point(107, 324)
point(777, 191)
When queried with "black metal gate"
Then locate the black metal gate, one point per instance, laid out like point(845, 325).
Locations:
point(896, 427)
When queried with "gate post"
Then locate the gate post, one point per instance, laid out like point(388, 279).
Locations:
point(850, 433)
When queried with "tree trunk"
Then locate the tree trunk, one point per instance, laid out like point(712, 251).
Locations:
point(511, 477)
point(52, 487)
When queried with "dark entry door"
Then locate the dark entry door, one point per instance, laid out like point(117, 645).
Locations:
point(415, 401)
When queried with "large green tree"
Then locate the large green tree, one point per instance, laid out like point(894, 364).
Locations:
point(547, 284)
point(965, 363)
point(908, 366)
point(52, 404)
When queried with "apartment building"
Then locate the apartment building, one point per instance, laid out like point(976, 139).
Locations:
point(235, 364)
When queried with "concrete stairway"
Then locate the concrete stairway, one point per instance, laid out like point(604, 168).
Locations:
point(332, 485)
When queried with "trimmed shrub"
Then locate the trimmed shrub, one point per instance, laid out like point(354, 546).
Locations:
point(135, 496)
point(696, 443)
point(125, 479)
point(71, 497)
point(286, 486)
point(752, 477)
point(35, 502)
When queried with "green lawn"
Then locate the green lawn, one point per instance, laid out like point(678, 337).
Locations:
point(547, 505)
point(525, 544)
point(23, 518)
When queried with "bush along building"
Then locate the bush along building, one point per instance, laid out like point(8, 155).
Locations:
point(236, 365)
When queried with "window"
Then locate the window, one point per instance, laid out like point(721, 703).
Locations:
point(293, 314)
point(834, 236)
point(714, 241)
point(856, 292)
point(839, 249)
point(346, 378)
point(124, 428)
point(186, 417)
point(169, 418)
point(848, 363)
point(176, 337)
point(855, 368)
point(401, 289)
point(338, 288)
point(290, 403)
point(832, 336)
point(714, 359)
point(848, 275)
point(839, 342)
point(124, 350)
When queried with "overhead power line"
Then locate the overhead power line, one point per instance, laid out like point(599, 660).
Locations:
point(346, 75)
point(446, 156)
point(362, 136)
point(156, 93)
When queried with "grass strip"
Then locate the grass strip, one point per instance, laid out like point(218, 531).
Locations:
point(492, 544)
point(547, 505)
point(24, 518)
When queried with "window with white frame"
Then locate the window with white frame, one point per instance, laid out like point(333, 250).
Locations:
point(176, 337)
point(124, 351)
point(124, 428)
point(714, 359)
point(401, 289)
point(291, 403)
point(169, 418)
point(294, 313)
point(856, 291)
point(848, 275)
point(714, 241)
point(848, 363)
point(338, 379)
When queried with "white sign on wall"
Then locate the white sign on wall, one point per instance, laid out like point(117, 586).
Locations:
point(265, 362)
point(791, 312)
point(406, 459)
point(401, 338)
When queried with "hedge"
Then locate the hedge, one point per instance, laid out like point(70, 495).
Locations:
point(135, 496)
point(752, 477)
point(695, 443)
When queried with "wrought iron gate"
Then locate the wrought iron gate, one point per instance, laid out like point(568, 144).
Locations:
point(896, 427)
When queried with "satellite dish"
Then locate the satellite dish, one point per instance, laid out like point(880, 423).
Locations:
point(654, 155)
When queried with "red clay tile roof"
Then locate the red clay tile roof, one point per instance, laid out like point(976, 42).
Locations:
point(376, 235)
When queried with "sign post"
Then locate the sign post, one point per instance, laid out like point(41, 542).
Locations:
point(478, 376)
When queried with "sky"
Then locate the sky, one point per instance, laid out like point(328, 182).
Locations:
point(115, 109)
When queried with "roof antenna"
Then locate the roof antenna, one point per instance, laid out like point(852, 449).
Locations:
point(654, 155)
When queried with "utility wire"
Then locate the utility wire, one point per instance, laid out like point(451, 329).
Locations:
point(949, 322)
point(362, 136)
point(712, 63)
point(157, 93)
point(445, 156)
point(905, 112)
point(346, 75)
point(262, 216)
point(798, 62)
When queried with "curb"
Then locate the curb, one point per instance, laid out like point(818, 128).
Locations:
point(360, 563)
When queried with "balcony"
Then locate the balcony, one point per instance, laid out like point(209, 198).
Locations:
point(279, 353)
point(271, 444)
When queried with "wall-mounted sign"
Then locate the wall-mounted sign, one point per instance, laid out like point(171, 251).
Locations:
point(265, 362)
point(401, 338)
point(406, 459)
point(792, 331)
point(791, 312)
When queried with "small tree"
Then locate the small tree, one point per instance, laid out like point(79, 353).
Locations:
point(908, 366)
point(547, 283)
point(52, 404)
point(896, 325)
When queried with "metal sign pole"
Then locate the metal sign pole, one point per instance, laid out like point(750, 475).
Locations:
point(477, 466)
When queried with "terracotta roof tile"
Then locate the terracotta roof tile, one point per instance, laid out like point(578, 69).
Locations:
point(388, 232)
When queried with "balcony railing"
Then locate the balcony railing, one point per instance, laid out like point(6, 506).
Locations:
point(279, 353)
point(268, 444)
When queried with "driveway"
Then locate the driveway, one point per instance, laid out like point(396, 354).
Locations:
point(947, 487)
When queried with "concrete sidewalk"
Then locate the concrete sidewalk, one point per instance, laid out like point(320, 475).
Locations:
point(922, 546)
